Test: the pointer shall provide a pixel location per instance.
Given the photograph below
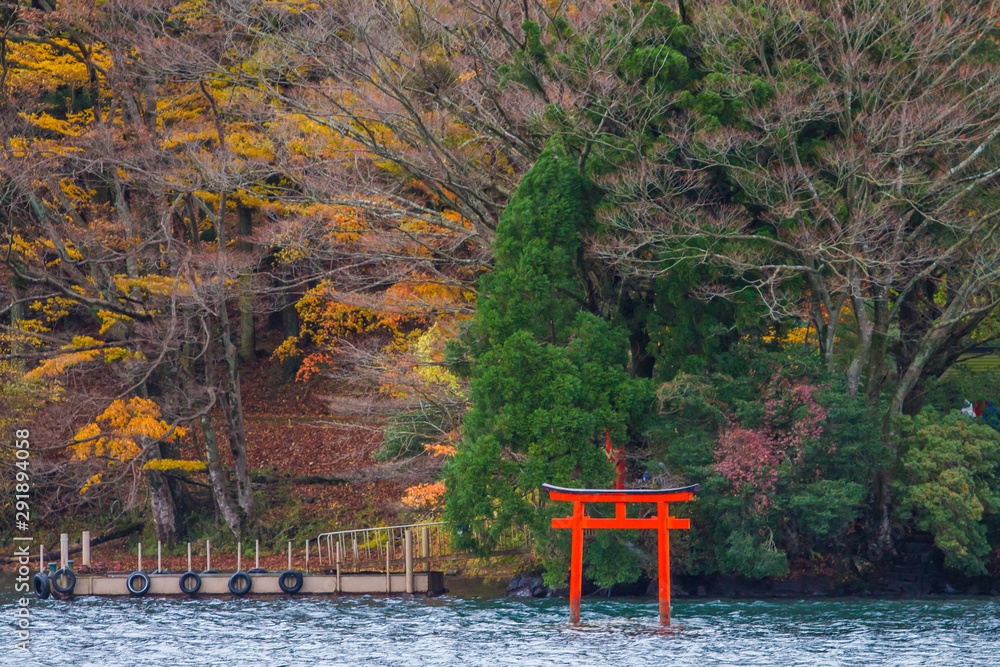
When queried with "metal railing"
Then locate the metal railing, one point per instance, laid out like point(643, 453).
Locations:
point(358, 547)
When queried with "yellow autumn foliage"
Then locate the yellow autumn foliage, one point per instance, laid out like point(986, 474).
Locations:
point(175, 464)
point(183, 139)
point(153, 285)
point(109, 319)
point(250, 145)
point(35, 67)
point(22, 333)
point(429, 353)
point(51, 310)
point(95, 479)
point(74, 125)
point(19, 395)
point(59, 364)
point(116, 433)
point(190, 11)
point(796, 336)
point(22, 248)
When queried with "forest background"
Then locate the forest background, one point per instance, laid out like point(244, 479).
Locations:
point(752, 244)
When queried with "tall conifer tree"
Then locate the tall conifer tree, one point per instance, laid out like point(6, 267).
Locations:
point(548, 376)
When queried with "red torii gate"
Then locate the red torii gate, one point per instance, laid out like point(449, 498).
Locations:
point(662, 522)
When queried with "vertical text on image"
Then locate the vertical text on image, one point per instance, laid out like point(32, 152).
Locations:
point(22, 537)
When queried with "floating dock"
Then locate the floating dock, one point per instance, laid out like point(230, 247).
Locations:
point(361, 583)
point(64, 582)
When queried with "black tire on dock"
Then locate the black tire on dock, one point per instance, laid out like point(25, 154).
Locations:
point(240, 583)
point(143, 586)
point(42, 588)
point(256, 570)
point(70, 576)
point(190, 590)
point(292, 574)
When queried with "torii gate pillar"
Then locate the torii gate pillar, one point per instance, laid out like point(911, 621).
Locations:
point(662, 522)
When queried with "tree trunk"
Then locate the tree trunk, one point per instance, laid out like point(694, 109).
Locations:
point(125, 214)
point(875, 371)
point(161, 501)
point(220, 223)
point(860, 360)
point(290, 319)
point(232, 408)
point(882, 546)
point(217, 477)
point(178, 490)
point(248, 340)
point(150, 110)
point(16, 315)
point(236, 434)
point(245, 214)
point(193, 217)
point(289, 315)
point(928, 346)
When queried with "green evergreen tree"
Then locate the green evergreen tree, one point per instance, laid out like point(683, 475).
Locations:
point(547, 376)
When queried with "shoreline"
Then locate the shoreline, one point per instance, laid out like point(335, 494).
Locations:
point(890, 582)
point(828, 578)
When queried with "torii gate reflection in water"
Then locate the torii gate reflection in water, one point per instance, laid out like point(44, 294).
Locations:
point(662, 522)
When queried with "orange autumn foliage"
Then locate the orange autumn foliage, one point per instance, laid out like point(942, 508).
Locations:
point(324, 321)
point(424, 495)
point(439, 449)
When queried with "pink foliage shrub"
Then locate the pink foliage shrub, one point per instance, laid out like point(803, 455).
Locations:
point(750, 457)
point(746, 457)
point(783, 422)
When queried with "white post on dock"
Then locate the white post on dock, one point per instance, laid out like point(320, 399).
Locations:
point(425, 547)
point(289, 554)
point(307, 556)
point(319, 553)
point(140, 558)
point(239, 556)
point(85, 543)
point(408, 549)
point(41, 558)
point(189, 556)
point(159, 556)
point(388, 576)
point(256, 553)
point(355, 538)
point(208, 554)
point(338, 567)
point(64, 550)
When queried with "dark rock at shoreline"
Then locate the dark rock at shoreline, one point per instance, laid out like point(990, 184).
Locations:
point(917, 568)
point(877, 580)
point(531, 585)
point(677, 589)
point(528, 585)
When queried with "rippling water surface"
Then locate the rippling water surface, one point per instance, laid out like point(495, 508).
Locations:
point(494, 631)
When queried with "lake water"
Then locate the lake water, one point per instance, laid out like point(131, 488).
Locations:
point(461, 630)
